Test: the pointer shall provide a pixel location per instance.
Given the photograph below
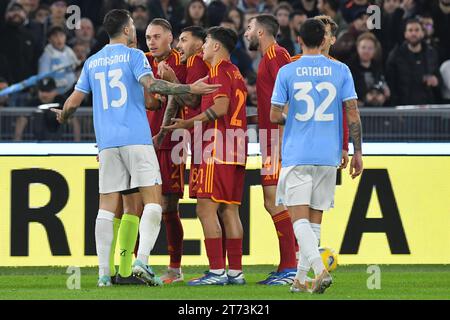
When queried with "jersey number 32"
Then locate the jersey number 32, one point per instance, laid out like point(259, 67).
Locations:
point(311, 111)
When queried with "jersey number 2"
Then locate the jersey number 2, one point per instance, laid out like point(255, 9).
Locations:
point(114, 82)
point(302, 95)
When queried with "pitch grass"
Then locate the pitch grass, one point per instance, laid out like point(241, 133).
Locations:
point(350, 282)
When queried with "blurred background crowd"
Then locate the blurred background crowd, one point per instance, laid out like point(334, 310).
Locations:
point(404, 62)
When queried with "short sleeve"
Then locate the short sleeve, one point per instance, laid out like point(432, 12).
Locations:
point(280, 95)
point(83, 84)
point(274, 65)
point(348, 86)
point(225, 80)
point(139, 64)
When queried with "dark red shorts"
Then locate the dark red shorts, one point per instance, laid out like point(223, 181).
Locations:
point(193, 179)
point(270, 170)
point(222, 183)
point(172, 175)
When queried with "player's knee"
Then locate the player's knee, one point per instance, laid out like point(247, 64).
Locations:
point(269, 205)
point(154, 212)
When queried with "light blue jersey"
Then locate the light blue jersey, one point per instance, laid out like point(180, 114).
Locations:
point(315, 88)
point(113, 76)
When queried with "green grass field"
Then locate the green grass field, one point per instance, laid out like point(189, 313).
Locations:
point(350, 282)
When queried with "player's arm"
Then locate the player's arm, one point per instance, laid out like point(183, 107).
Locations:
point(188, 99)
point(355, 130)
point(219, 109)
point(277, 115)
point(153, 85)
point(70, 106)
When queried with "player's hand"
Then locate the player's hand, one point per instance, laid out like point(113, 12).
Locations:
point(156, 142)
point(165, 72)
point(356, 165)
point(344, 159)
point(202, 88)
point(59, 115)
point(177, 124)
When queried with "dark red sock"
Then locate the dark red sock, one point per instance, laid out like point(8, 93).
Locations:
point(174, 232)
point(286, 239)
point(214, 251)
point(234, 251)
point(224, 242)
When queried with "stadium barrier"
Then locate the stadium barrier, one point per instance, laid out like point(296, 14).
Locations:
point(397, 212)
point(399, 124)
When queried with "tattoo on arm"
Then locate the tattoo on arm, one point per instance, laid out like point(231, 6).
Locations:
point(354, 123)
point(171, 111)
point(163, 87)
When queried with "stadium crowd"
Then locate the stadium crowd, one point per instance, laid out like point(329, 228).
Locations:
point(406, 61)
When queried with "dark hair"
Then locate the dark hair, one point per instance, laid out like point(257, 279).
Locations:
point(268, 22)
point(312, 33)
point(297, 12)
point(115, 20)
point(334, 4)
point(54, 30)
point(196, 31)
point(225, 36)
point(283, 6)
point(328, 21)
point(240, 27)
point(187, 21)
point(412, 21)
point(162, 23)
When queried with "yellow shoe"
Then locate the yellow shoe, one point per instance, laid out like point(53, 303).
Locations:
point(321, 282)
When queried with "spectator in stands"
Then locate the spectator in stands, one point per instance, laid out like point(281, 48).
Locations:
point(350, 8)
point(81, 50)
point(375, 97)
point(46, 126)
point(42, 14)
point(391, 32)
point(171, 10)
point(237, 16)
point(268, 6)
point(440, 11)
point(309, 7)
point(3, 100)
point(30, 6)
point(217, 10)
point(428, 28)
point(56, 55)
point(445, 75)
point(239, 56)
point(284, 38)
point(346, 43)
point(411, 9)
point(331, 8)
point(86, 33)
point(58, 14)
point(140, 16)
point(195, 14)
point(412, 69)
point(246, 5)
point(19, 48)
point(366, 68)
point(296, 19)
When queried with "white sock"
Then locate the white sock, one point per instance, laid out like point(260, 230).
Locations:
point(234, 273)
point(149, 230)
point(302, 269)
point(104, 234)
point(307, 242)
point(316, 228)
point(217, 271)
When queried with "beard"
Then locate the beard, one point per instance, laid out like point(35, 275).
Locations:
point(253, 44)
